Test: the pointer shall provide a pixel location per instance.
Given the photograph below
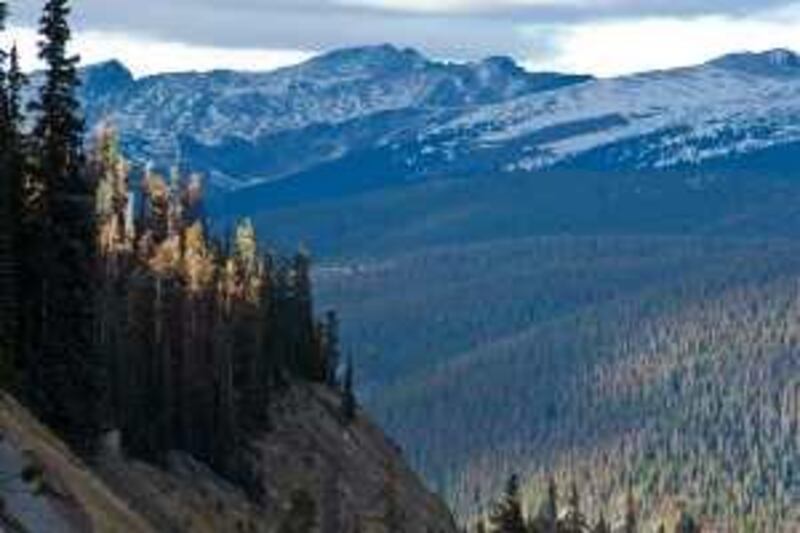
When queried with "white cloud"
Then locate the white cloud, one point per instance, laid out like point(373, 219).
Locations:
point(145, 56)
point(625, 46)
point(604, 47)
point(441, 6)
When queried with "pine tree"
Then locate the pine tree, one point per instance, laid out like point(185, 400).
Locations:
point(68, 378)
point(506, 517)
point(546, 520)
point(348, 394)
point(686, 524)
point(631, 522)
point(332, 353)
point(115, 248)
point(14, 165)
point(8, 221)
point(16, 82)
point(574, 521)
point(602, 526)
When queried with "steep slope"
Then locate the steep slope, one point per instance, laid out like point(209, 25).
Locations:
point(665, 363)
point(314, 470)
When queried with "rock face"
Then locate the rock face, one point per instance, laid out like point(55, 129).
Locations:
point(318, 475)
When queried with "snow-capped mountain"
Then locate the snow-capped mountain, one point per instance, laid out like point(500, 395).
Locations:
point(385, 113)
point(737, 104)
point(231, 124)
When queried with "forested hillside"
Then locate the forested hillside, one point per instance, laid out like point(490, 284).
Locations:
point(668, 365)
point(186, 371)
point(587, 283)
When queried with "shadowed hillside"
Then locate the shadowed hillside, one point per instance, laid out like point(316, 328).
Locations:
point(669, 363)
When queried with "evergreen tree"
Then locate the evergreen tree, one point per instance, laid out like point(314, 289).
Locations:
point(348, 394)
point(574, 521)
point(686, 524)
point(332, 353)
point(8, 221)
point(631, 521)
point(16, 82)
point(67, 375)
point(506, 517)
point(546, 520)
point(14, 165)
point(602, 526)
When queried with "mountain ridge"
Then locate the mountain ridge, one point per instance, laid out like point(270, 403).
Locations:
point(391, 116)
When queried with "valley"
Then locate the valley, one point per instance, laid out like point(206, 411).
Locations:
point(542, 274)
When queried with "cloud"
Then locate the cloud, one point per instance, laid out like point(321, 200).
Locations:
point(597, 36)
point(614, 47)
point(144, 56)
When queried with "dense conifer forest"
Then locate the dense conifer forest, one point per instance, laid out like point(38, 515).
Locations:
point(128, 317)
point(123, 318)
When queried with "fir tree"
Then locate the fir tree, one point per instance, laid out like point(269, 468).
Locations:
point(348, 394)
point(332, 353)
point(631, 522)
point(506, 517)
point(574, 521)
point(602, 526)
point(8, 285)
point(686, 524)
point(546, 520)
point(68, 374)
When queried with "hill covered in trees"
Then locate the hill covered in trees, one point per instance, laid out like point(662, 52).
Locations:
point(187, 372)
point(632, 336)
point(665, 366)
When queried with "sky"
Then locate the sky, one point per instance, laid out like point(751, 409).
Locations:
point(601, 37)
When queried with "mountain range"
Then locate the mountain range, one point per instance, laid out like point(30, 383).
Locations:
point(536, 272)
point(380, 115)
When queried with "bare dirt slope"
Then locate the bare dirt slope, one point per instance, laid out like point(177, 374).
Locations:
point(317, 473)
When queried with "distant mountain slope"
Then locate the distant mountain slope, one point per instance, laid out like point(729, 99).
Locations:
point(369, 117)
point(670, 364)
point(227, 122)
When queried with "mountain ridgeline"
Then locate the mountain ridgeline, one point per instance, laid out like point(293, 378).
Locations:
point(363, 119)
point(589, 282)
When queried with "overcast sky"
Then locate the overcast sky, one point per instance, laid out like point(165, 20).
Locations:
point(603, 37)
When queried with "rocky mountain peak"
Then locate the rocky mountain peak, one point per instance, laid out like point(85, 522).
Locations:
point(777, 62)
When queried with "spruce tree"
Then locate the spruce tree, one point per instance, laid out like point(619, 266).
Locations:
point(8, 298)
point(601, 526)
point(546, 520)
point(686, 524)
point(348, 394)
point(574, 521)
point(67, 377)
point(506, 517)
point(631, 521)
point(332, 353)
